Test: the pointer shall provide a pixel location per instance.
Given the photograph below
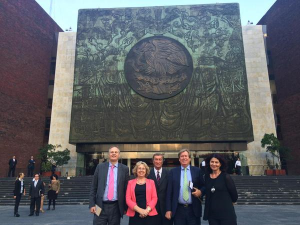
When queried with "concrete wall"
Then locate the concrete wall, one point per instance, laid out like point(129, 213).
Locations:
point(62, 100)
point(259, 95)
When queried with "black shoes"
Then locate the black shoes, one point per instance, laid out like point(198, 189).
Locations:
point(31, 214)
point(37, 214)
point(17, 215)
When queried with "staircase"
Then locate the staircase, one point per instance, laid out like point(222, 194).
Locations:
point(262, 190)
point(74, 191)
point(268, 190)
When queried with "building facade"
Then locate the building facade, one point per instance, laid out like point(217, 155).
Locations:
point(28, 42)
point(283, 51)
point(90, 140)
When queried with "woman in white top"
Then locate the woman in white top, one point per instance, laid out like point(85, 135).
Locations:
point(238, 166)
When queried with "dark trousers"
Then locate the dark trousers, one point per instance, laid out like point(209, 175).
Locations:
point(161, 218)
point(186, 216)
point(110, 215)
point(30, 172)
point(35, 203)
point(238, 170)
point(221, 222)
point(49, 203)
point(11, 172)
point(17, 202)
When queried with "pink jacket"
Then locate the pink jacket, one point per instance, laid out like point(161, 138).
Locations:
point(151, 197)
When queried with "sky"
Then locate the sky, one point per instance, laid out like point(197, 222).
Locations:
point(65, 12)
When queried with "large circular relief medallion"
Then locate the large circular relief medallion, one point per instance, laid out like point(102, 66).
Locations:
point(158, 67)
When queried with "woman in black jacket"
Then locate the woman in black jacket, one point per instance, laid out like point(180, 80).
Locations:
point(18, 191)
point(221, 193)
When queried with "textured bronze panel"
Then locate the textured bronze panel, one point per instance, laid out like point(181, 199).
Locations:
point(158, 67)
point(214, 106)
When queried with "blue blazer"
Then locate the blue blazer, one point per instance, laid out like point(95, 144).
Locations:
point(174, 189)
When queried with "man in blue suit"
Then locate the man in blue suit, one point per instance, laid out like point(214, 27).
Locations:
point(185, 187)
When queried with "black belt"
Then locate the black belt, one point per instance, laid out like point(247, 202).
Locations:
point(109, 202)
point(185, 205)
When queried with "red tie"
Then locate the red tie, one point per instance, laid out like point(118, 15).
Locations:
point(158, 178)
point(110, 194)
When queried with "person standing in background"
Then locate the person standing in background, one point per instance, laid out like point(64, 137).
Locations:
point(54, 188)
point(238, 166)
point(35, 192)
point(30, 167)
point(12, 166)
point(18, 191)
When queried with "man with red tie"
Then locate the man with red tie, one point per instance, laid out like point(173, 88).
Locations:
point(108, 190)
point(160, 177)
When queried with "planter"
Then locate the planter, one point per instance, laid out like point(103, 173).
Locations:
point(269, 172)
point(282, 172)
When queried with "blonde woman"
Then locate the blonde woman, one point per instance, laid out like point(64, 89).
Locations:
point(18, 191)
point(141, 197)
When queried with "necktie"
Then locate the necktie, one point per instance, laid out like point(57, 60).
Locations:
point(110, 194)
point(185, 187)
point(158, 178)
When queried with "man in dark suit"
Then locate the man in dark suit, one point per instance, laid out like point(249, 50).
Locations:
point(12, 166)
point(35, 192)
point(108, 190)
point(160, 177)
point(30, 168)
point(185, 187)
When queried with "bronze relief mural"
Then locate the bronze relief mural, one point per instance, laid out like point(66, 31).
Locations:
point(158, 67)
point(160, 75)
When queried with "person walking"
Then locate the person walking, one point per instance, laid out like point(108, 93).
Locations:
point(35, 192)
point(54, 188)
point(108, 190)
point(30, 167)
point(141, 197)
point(18, 192)
point(12, 163)
point(221, 193)
point(185, 187)
point(238, 166)
point(160, 177)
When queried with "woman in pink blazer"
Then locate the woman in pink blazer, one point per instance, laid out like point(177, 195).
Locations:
point(141, 197)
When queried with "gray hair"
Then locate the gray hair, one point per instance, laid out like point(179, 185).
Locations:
point(158, 154)
point(113, 147)
point(184, 150)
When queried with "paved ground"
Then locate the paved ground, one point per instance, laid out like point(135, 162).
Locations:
point(79, 215)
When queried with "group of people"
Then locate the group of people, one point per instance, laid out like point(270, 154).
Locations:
point(163, 197)
point(12, 164)
point(36, 193)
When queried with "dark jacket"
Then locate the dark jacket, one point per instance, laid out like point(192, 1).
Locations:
point(161, 189)
point(12, 163)
point(218, 204)
point(17, 189)
point(173, 190)
point(99, 184)
point(37, 191)
point(31, 164)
